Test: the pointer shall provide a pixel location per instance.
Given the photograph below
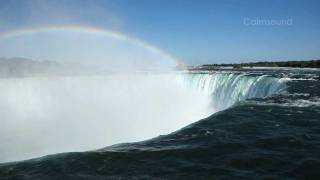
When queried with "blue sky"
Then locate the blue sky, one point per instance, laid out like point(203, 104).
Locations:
point(195, 31)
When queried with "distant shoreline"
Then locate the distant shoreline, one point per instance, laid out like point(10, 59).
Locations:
point(261, 64)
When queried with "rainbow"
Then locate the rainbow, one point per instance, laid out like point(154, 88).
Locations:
point(89, 30)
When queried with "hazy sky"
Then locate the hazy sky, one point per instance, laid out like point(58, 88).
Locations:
point(194, 31)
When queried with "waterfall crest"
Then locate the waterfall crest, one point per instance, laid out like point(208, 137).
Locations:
point(226, 89)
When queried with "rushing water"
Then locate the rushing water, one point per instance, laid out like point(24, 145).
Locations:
point(267, 127)
point(225, 89)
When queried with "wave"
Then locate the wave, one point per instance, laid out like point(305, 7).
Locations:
point(311, 102)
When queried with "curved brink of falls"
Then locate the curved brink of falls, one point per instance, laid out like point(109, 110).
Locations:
point(225, 89)
point(46, 115)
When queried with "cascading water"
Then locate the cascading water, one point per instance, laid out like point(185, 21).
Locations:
point(45, 115)
point(225, 89)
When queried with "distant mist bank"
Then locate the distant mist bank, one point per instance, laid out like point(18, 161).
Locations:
point(24, 67)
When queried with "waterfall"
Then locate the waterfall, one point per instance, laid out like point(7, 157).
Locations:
point(226, 89)
point(45, 115)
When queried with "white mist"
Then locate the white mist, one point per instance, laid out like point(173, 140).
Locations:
point(45, 115)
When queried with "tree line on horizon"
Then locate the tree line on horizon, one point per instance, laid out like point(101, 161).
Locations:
point(295, 64)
